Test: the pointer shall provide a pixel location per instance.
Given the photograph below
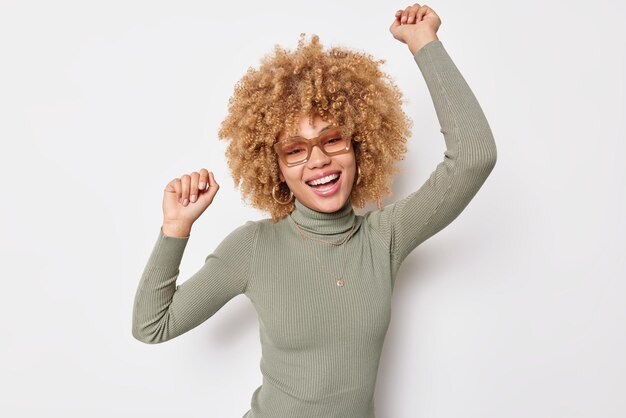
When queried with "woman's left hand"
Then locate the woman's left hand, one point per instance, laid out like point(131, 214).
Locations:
point(415, 26)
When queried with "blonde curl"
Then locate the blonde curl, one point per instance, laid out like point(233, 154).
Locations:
point(342, 86)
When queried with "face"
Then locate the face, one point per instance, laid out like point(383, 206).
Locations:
point(319, 165)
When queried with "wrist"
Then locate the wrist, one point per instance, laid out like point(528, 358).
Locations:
point(420, 41)
point(176, 229)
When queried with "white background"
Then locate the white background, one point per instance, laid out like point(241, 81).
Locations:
point(514, 310)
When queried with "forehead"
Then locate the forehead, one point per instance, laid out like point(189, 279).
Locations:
point(306, 126)
point(311, 133)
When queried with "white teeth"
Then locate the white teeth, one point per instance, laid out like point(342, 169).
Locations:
point(323, 180)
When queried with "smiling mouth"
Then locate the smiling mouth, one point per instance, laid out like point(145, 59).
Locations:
point(327, 185)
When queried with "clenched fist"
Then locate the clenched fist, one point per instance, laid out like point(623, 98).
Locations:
point(415, 26)
point(185, 199)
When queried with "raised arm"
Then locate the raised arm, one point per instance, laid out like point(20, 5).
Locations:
point(162, 310)
point(468, 160)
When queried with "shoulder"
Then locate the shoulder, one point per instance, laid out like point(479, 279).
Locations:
point(241, 240)
point(381, 220)
point(246, 231)
point(251, 230)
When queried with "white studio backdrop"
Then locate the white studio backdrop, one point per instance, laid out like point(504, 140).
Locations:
point(514, 310)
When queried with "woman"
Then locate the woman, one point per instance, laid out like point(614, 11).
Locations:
point(312, 134)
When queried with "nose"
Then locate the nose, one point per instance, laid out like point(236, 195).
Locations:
point(318, 158)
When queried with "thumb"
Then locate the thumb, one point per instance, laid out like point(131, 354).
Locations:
point(213, 187)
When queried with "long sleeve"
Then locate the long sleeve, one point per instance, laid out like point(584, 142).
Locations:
point(468, 160)
point(162, 310)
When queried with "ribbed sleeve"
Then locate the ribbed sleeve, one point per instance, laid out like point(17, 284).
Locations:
point(468, 160)
point(162, 310)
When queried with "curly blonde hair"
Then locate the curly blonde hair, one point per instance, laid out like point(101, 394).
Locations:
point(343, 87)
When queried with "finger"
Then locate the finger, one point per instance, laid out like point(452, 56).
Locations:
point(421, 12)
point(204, 179)
point(193, 187)
point(185, 180)
point(411, 17)
point(415, 12)
point(405, 14)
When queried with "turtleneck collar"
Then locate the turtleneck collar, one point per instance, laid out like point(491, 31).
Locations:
point(323, 223)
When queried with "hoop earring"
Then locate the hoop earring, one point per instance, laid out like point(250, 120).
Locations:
point(278, 201)
point(358, 179)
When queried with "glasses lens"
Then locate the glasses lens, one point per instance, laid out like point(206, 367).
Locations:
point(334, 141)
point(294, 151)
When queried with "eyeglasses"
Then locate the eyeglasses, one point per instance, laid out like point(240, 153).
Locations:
point(297, 150)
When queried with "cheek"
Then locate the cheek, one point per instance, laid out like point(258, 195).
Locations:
point(350, 164)
point(292, 174)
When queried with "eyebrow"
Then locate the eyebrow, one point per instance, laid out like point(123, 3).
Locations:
point(320, 131)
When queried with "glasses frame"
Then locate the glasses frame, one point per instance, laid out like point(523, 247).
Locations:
point(312, 142)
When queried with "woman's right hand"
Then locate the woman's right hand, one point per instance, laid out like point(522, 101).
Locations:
point(185, 199)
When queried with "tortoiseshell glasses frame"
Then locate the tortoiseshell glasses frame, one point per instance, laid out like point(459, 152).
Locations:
point(297, 150)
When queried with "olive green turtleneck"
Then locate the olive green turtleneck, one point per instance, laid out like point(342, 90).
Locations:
point(321, 343)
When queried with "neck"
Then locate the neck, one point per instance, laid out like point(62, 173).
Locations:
point(323, 223)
